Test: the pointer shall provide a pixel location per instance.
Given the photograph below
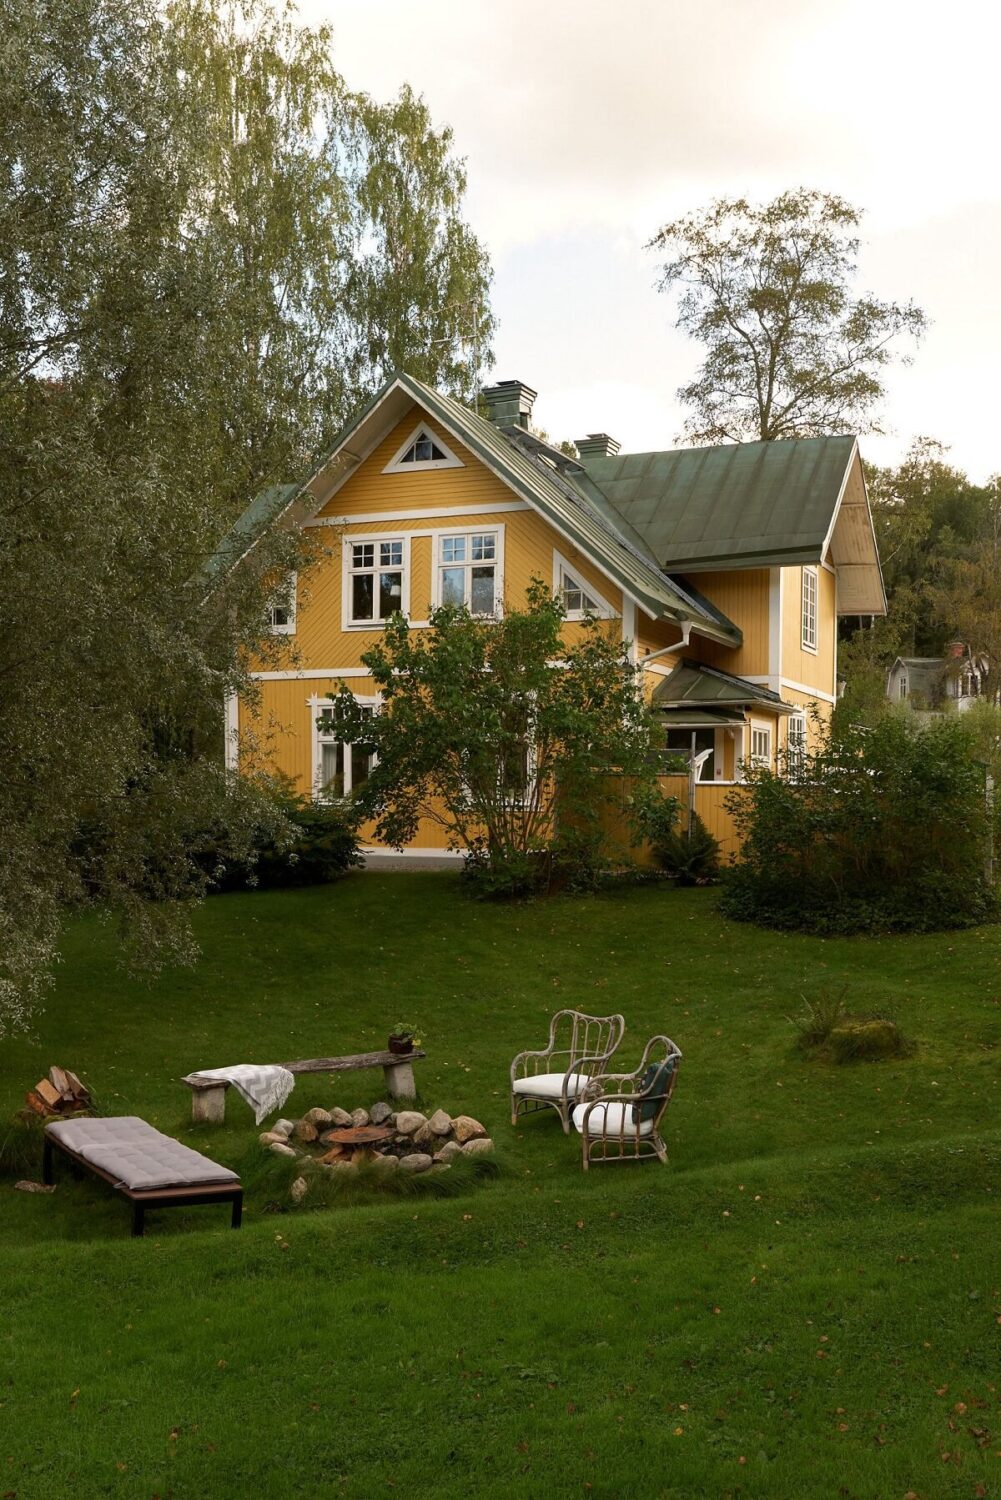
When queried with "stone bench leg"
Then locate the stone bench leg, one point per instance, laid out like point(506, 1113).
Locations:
point(400, 1080)
point(208, 1106)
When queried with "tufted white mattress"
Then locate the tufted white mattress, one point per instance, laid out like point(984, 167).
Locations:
point(136, 1154)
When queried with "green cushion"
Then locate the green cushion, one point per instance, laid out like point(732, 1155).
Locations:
point(657, 1079)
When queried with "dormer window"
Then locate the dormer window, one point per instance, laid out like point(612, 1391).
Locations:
point(423, 449)
point(579, 598)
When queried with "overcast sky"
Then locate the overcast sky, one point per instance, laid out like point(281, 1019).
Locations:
point(585, 126)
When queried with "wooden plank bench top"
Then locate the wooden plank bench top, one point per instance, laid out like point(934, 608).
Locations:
point(208, 1095)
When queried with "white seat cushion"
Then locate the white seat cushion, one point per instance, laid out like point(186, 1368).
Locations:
point(138, 1155)
point(548, 1085)
point(598, 1124)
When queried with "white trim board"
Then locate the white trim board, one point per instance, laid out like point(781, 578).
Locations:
point(411, 853)
point(310, 673)
point(788, 682)
point(428, 513)
point(231, 720)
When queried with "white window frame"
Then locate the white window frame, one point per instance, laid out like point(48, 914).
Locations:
point(561, 567)
point(437, 565)
point(902, 686)
point(759, 756)
point(348, 572)
point(286, 593)
point(796, 740)
point(319, 739)
point(809, 610)
point(397, 466)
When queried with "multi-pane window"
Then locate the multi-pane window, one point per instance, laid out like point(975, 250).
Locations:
point(810, 609)
point(576, 599)
point(467, 570)
point(796, 741)
point(341, 769)
point(761, 746)
point(423, 450)
point(375, 580)
point(281, 614)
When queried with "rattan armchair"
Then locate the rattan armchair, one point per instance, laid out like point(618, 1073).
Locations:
point(619, 1114)
point(554, 1077)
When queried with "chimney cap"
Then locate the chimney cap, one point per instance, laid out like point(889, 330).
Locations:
point(509, 402)
point(597, 445)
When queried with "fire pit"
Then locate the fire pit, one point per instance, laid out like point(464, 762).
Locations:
point(405, 1141)
point(355, 1142)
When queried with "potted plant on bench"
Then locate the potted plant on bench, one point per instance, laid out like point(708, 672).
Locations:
point(404, 1038)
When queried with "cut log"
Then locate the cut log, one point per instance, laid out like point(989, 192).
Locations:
point(80, 1094)
point(60, 1082)
point(359, 1135)
point(52, 1096)
point(35, 1102)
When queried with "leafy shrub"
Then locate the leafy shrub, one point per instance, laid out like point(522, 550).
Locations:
point(882, 829)
point(323, 847)
point(691, 860)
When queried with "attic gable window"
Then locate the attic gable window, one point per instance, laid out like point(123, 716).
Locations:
point(423, 449)
point(579, 598)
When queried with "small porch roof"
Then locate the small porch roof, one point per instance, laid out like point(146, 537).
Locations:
point(694, 686)
point(701, 718)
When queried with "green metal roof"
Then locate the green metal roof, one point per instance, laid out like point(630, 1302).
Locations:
point(693, 683)
point(761, 503)
point(585, 516)
point(699, 718)
point(260, 513)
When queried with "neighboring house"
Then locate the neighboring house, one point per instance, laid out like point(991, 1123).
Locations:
point(724, 568)
point(938, 682)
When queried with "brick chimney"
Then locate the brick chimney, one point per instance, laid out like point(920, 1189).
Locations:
point(596, 445)
point(509, 404)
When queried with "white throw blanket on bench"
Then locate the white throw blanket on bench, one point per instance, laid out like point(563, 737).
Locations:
point(265, 1086)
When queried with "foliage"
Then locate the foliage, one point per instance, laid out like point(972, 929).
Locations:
point(822, 1012)
point(868, 1222)
point(407, 1031)
point(884, 829)
point(693, 858)
point(767, 289)
point(210, 248)
point(935, 531)
point(321, 845)
point(518, 745)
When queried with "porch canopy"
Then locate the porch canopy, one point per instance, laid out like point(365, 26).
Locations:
point(697, 696)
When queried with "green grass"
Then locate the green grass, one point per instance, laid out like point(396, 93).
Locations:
point(813, 1285)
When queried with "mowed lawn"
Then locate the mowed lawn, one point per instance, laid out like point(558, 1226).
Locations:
point(806, 1302)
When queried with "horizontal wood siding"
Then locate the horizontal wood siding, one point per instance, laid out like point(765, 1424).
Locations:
point(817, 669)
point(743, 598)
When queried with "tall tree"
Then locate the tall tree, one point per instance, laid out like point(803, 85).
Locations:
point(790, 350)
point(184, 200)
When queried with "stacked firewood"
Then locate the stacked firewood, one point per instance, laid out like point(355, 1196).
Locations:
point(61, 1093)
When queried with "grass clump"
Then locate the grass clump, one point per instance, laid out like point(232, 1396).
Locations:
point(828, 1029)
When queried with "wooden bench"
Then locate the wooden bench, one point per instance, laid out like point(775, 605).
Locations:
point(208, 1095)
point(164, 1195)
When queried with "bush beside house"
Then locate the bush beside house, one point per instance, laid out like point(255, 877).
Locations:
point(880, 829)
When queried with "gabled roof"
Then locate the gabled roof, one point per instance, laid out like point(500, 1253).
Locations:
point(751, 505)
point(585, 519)
point(692, 684)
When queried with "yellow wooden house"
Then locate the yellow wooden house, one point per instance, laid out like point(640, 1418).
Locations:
point(725, 569)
